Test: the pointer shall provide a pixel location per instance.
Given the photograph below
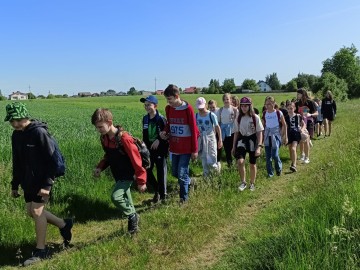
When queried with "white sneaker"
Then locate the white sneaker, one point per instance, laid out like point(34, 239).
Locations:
point(252, 187)
point(307, 161)
point(242, 186)
point(302, 158)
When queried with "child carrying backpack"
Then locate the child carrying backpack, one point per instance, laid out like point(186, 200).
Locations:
point(125, 164)
point(274, 135)
point(36, 162)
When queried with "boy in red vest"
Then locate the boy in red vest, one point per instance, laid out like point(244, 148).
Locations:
point(182, 133)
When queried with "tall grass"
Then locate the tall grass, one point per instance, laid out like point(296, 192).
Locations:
point(289, 222)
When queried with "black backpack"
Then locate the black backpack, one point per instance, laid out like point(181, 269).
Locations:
point(141, 146)
point(58, 165)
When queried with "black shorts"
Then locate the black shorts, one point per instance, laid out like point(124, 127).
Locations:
point(240, 152)
point(329, 117)
point(294, 136)
point(319, 122)
point(33, 197)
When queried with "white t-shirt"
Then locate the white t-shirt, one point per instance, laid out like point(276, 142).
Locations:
point(247, 126)
point(227, 115)
point(272, 120)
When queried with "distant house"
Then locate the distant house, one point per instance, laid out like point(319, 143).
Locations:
point(264, 87)
point(121, 94)
point(84, 94)
point(95, 95)
point(159, 92)
point(18, 96)
point(146, 93)
point(190, 90)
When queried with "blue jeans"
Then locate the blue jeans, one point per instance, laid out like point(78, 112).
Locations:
point(272, 152)
point(180, 170)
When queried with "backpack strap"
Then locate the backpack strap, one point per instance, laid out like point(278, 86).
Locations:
point(254, 120)
point(211, 118)
point(220, 111)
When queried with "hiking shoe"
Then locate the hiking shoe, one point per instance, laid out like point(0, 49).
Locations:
point(37, 255)
point(156, 198)
point(307, 161)
point(302, 158)
point(293, 168)
point(278, 173)
point(66, 231)
point(252, 187)
point(133, 223)
point(242, 186)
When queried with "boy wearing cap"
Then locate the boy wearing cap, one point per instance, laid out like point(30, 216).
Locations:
point(247, 139)
point(153, 123)
point(182, 133)
point(32, 150)
point(207, 122)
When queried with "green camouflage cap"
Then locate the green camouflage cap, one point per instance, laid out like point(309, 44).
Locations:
point(16, 110)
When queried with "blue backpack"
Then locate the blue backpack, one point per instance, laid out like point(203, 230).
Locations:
point(58, 160)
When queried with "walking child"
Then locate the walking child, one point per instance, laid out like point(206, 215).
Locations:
point(328, 109)
point(182, 133)
point(274, 136)
point(33, 149)
point(295, 124)
point(247, 139)
point(207, 144)
point(153, 123)
point(212, 105)
point(124, 160)
point(227, 116)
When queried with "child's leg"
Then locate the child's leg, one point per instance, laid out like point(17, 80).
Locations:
point(326, 126)
point(241, 169)
point(253, 171)
point(228, 144)
point(204, 164)
point(121, 197)
point(269, 167)
point(276, 157)
point(307, 148)
point(151, 180)
point(36, 211)
point(183, 176)
point(161, 169)
point(293, 153)
point(330, 122)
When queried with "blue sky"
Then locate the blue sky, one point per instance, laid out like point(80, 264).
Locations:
point(73, 46)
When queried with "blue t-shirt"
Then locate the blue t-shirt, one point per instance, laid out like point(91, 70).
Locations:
point(205, 124)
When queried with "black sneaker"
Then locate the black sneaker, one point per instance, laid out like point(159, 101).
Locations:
point(293, 168)
point(278, 173)
point(66, 231)
point(37, 255)
point(156, 198)
point(133, 223)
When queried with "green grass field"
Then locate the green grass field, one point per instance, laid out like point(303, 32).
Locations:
point(307, 220)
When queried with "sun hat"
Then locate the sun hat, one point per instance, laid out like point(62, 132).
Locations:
point(16, 111)
point(200, 103)
point(150, 98)
point(245, 101)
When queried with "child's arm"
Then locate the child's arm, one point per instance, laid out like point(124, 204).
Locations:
point(284, 129)
point(218, 132)
point(132, 151)
point(236, 135)
point(194, 132)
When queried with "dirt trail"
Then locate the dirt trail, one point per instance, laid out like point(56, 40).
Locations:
point(211, 253)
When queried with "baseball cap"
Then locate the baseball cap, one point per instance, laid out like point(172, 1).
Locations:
point(16, 111)
point(150, 98)
point(245, 101)
point(200, 103)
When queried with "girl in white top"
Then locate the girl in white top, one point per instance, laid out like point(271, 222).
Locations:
point(247, 139)
point(227, 116)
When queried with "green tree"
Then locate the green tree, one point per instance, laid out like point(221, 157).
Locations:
point(50, 96)
point(111, 92)
point(228, 86)
point(273, 81)
point(214, 87)
point(31, 96)
point(291, 86)
point(250, 84)
point(1, 96)
point(329, 81)
point(306, 81)
point(132, 91)
point(345, 64)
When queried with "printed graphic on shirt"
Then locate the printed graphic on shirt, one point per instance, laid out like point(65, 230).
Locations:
point(180, 130)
